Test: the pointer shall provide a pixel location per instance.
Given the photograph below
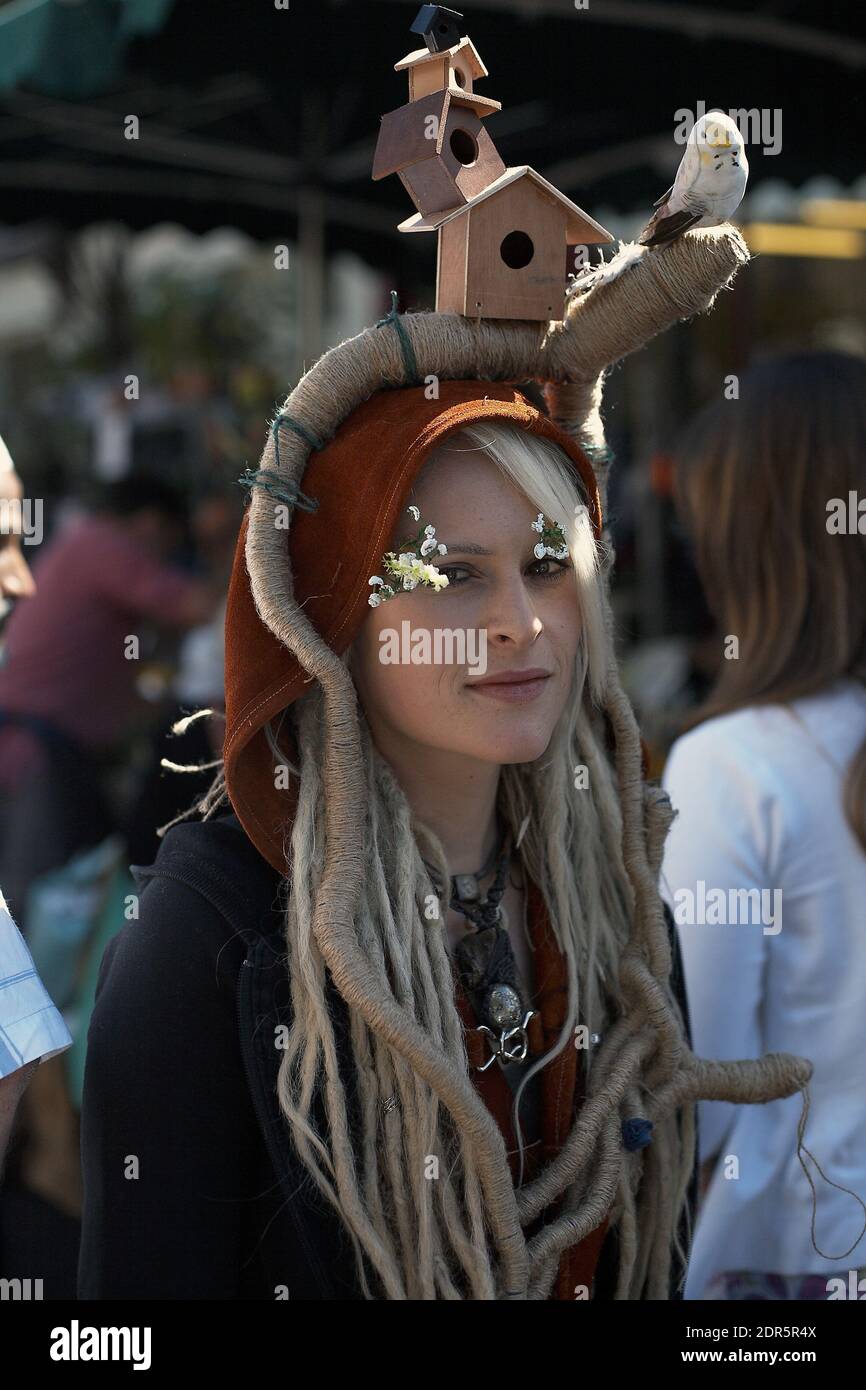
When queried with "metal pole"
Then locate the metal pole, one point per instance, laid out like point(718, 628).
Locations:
point(310, 276)
point(311, 232)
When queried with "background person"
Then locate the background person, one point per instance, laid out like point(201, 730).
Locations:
point(31, 1028)
point(67, 685)
point(770, 784)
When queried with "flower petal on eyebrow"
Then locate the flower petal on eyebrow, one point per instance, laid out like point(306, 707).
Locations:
point(408, 566)
point(553, 542)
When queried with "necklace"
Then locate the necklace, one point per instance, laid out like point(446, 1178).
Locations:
point(485, 958)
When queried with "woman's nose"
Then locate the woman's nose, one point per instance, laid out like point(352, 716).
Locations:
point(510, 613)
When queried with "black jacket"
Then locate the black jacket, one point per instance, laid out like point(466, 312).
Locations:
point(192, 1187)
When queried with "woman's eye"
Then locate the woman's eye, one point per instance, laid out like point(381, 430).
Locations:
point(560, 566)
point(455, 574)
point(538, 569)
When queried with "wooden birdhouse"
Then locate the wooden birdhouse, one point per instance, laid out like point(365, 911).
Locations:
point(502, 255)
point(458, 68)
point(436, 143)
point(440, 150)
point(503, 233)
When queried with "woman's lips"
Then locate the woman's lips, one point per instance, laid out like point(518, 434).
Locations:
point(514, 687)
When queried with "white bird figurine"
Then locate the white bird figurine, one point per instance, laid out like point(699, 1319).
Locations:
point(709, 185)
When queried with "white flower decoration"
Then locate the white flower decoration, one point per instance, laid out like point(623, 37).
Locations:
point(431, 575)
point(408, 567)
point(551, 531)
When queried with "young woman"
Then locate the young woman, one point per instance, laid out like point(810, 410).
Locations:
point(406, 1023)
point(770, 783)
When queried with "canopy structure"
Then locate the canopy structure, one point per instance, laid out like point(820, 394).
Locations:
point(266, 118)
point(71, 48)
point(253, 115)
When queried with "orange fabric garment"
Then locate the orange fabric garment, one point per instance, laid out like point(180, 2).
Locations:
point(562, 1084)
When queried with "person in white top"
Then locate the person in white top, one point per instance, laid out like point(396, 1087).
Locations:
point(31, 1028)
point(765, 863)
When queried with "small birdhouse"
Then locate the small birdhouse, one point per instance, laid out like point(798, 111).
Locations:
point(458, 68)
point(440, 150)
point(437, 26)
point(503, 233)
point(436, 142)
point(503, 253)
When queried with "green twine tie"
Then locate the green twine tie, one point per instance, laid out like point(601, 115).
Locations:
point(277, 486)
point(412, 377)
point(599, 453)
point(292, 424)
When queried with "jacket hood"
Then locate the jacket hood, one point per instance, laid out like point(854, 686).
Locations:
point(361, 481)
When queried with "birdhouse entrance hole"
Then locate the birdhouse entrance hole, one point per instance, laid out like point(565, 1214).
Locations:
point(517, 250)
point(464, 146)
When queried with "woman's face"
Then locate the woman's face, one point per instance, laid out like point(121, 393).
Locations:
point(525, 610)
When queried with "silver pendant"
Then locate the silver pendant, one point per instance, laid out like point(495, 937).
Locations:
point(510, 1044)
point(503, 1005)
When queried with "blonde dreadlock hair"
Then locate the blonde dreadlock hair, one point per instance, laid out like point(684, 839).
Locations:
point(357, 879)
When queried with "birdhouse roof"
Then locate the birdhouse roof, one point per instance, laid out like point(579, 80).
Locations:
point(482, 106)
point(465, 48)
point(576, 220)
